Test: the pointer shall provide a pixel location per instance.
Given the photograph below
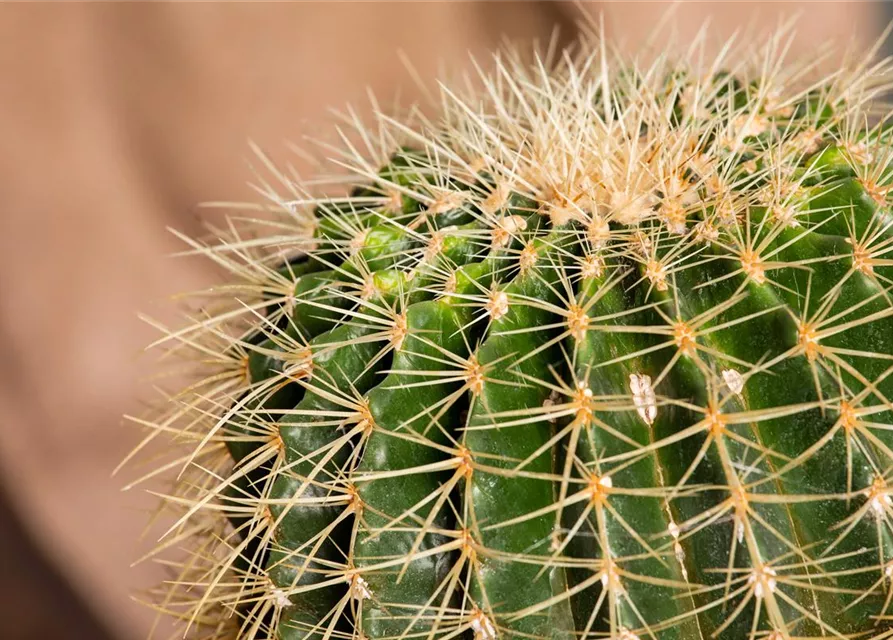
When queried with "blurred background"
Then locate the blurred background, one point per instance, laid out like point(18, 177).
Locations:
point(115, 121)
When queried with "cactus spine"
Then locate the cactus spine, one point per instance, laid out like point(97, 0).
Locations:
point(602, 352)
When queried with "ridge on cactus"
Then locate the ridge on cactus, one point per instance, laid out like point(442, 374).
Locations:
point(603, 350)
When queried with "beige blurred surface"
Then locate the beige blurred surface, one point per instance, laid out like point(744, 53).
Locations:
point(115, 120)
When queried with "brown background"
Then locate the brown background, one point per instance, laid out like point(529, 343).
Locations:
point(115, 120)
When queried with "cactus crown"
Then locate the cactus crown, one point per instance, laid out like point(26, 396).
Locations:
point(601, 351)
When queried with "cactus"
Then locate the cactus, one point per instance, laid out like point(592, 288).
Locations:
point(602, 351)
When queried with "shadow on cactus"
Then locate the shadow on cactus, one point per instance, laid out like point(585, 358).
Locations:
point(601, 351)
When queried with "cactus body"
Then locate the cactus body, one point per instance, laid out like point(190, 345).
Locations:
point(602, 353)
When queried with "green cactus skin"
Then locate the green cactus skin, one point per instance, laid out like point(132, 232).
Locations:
point(603, 353)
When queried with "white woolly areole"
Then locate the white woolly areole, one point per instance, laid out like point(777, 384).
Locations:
point(482, 626)
point(763, 581)
point(359, 589)
point(506, 229)
point(498, 305)
point(280, 600)
point(734, 381)
point(643, 396)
